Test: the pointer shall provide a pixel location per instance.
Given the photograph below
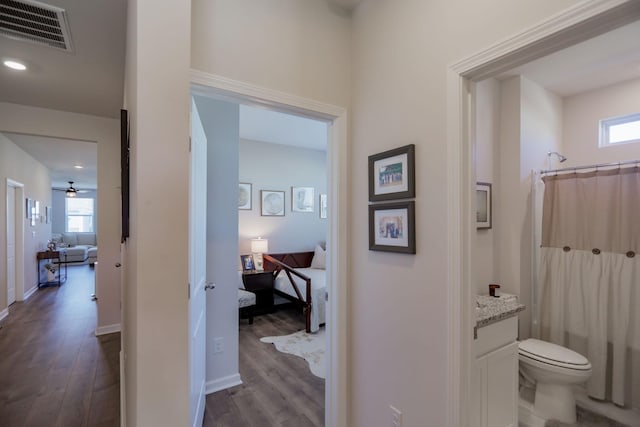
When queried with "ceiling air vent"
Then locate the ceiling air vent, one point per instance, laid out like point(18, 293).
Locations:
point(35, 22)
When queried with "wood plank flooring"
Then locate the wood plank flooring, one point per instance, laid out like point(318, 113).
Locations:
point(278, 389)
point(53, 370)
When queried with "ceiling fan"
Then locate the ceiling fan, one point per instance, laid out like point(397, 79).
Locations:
point(71, 191)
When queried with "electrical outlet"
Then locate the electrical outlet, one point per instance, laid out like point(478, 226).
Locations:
point(396, 417)
point(218, 345)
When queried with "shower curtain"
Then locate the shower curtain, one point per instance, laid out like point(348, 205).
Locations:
point(589, 275)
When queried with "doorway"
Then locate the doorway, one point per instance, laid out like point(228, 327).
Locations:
point(571, 27)
point(240, 93)
point(15, 242)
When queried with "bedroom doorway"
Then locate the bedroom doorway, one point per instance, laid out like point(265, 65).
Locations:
point(208, 86)
point(15, 242)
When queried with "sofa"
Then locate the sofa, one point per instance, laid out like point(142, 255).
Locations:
point(81, 248)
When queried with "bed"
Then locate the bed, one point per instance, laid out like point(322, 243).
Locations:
point(297, 282)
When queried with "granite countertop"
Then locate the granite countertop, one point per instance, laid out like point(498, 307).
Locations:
point(491, 309)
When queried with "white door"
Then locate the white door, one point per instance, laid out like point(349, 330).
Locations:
point(197, 268)
point(11, 245)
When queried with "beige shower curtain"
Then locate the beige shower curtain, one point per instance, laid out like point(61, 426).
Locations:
point(589, 275)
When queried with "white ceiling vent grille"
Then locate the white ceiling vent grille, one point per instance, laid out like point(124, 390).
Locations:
point(35, 22)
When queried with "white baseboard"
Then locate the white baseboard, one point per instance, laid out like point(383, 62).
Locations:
point(109, 329)
point(4, 313)
point(223, 383)
point(30, 292)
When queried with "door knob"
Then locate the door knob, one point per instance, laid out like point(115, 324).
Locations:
point(209, 286)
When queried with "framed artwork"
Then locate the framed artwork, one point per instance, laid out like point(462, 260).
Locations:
point(244, 196)
point(323, 206)
point(392, 227)
point(392, 174)
point(47, 214)
point(35, 213)
point(247, 262)
point(29, 207)
point(483, 205)
point(272, 203)
point(302, 199)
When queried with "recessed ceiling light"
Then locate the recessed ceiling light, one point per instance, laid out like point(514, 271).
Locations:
point(15, 65)
point(79, 167)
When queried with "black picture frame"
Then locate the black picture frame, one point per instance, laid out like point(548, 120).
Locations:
point(392, 174)
point(394, 232)
point(247, 262)
point(272, 203)
point(124, 173)
point(484, 211)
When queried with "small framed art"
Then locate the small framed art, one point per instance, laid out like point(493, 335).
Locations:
point(244, 196)
point(392, 174)
point(272, 203)
point(323, 206)
point(247, 262)
point(392, 227)
point(483, 205)
point(302, 199)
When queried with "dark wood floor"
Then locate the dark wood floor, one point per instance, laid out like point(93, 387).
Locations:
point(278, 389)
point(53, 370)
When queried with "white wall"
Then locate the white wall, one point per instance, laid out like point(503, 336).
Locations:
point(58, 204)
point(487, 132)
point(19, 166)
point(106, 132)
point(581, 129)
point(279, 167)
point(401, 52)
point(300, 47)
point(156, 333)
point(221, 123)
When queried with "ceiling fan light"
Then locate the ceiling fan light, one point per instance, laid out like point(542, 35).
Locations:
point(71, 192)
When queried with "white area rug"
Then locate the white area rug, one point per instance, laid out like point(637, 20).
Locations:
point(308, 346)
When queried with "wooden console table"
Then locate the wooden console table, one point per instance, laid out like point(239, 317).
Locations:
point(55, 257)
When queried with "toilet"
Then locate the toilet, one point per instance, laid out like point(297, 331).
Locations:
point(554, 370)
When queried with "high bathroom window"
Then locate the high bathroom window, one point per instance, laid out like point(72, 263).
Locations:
point(620, 130)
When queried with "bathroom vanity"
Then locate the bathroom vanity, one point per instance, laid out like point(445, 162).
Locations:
point(494, 373)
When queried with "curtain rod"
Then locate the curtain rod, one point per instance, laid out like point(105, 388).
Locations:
point(601, 165)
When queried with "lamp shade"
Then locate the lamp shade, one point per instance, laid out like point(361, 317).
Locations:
point(259, 245)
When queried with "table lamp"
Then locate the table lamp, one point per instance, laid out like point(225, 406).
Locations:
point(258, 247)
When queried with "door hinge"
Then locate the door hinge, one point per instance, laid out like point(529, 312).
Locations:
point(189, 290)
point(189, 144)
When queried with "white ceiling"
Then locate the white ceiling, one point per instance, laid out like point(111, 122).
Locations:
point(60, 156)
point(601, 61)
point(89, 80)
point(258, 124)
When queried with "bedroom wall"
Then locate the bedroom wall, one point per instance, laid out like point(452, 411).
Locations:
point(106, 132)
point(581, 130)
point(279, 167)
point(18, 165)
point(401, 53)
point(58, 215)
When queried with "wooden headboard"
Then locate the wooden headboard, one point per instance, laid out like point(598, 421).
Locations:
point(294, 259)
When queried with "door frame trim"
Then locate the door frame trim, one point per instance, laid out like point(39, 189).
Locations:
point(19, 236)
point(336, 385)
point(569, 27)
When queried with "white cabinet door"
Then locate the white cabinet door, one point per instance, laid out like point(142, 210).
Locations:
point(478, 415)
point(502, 386)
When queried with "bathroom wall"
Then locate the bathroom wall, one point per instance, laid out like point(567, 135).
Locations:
point(517, 122)
point(487, 112)
point(582, 114)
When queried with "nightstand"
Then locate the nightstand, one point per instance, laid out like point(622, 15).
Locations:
point(261, 284)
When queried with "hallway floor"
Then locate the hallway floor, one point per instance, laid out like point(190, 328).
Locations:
point(53, 370)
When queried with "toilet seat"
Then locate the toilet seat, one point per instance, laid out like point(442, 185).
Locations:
point(553, 355)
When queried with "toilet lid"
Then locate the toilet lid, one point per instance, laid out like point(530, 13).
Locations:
point(553, 354)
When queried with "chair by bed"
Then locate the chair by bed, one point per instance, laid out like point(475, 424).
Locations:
point(298, 282)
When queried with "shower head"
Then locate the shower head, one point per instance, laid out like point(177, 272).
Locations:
point(561, 158)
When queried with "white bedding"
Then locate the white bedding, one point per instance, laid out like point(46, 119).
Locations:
point(318, 288)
